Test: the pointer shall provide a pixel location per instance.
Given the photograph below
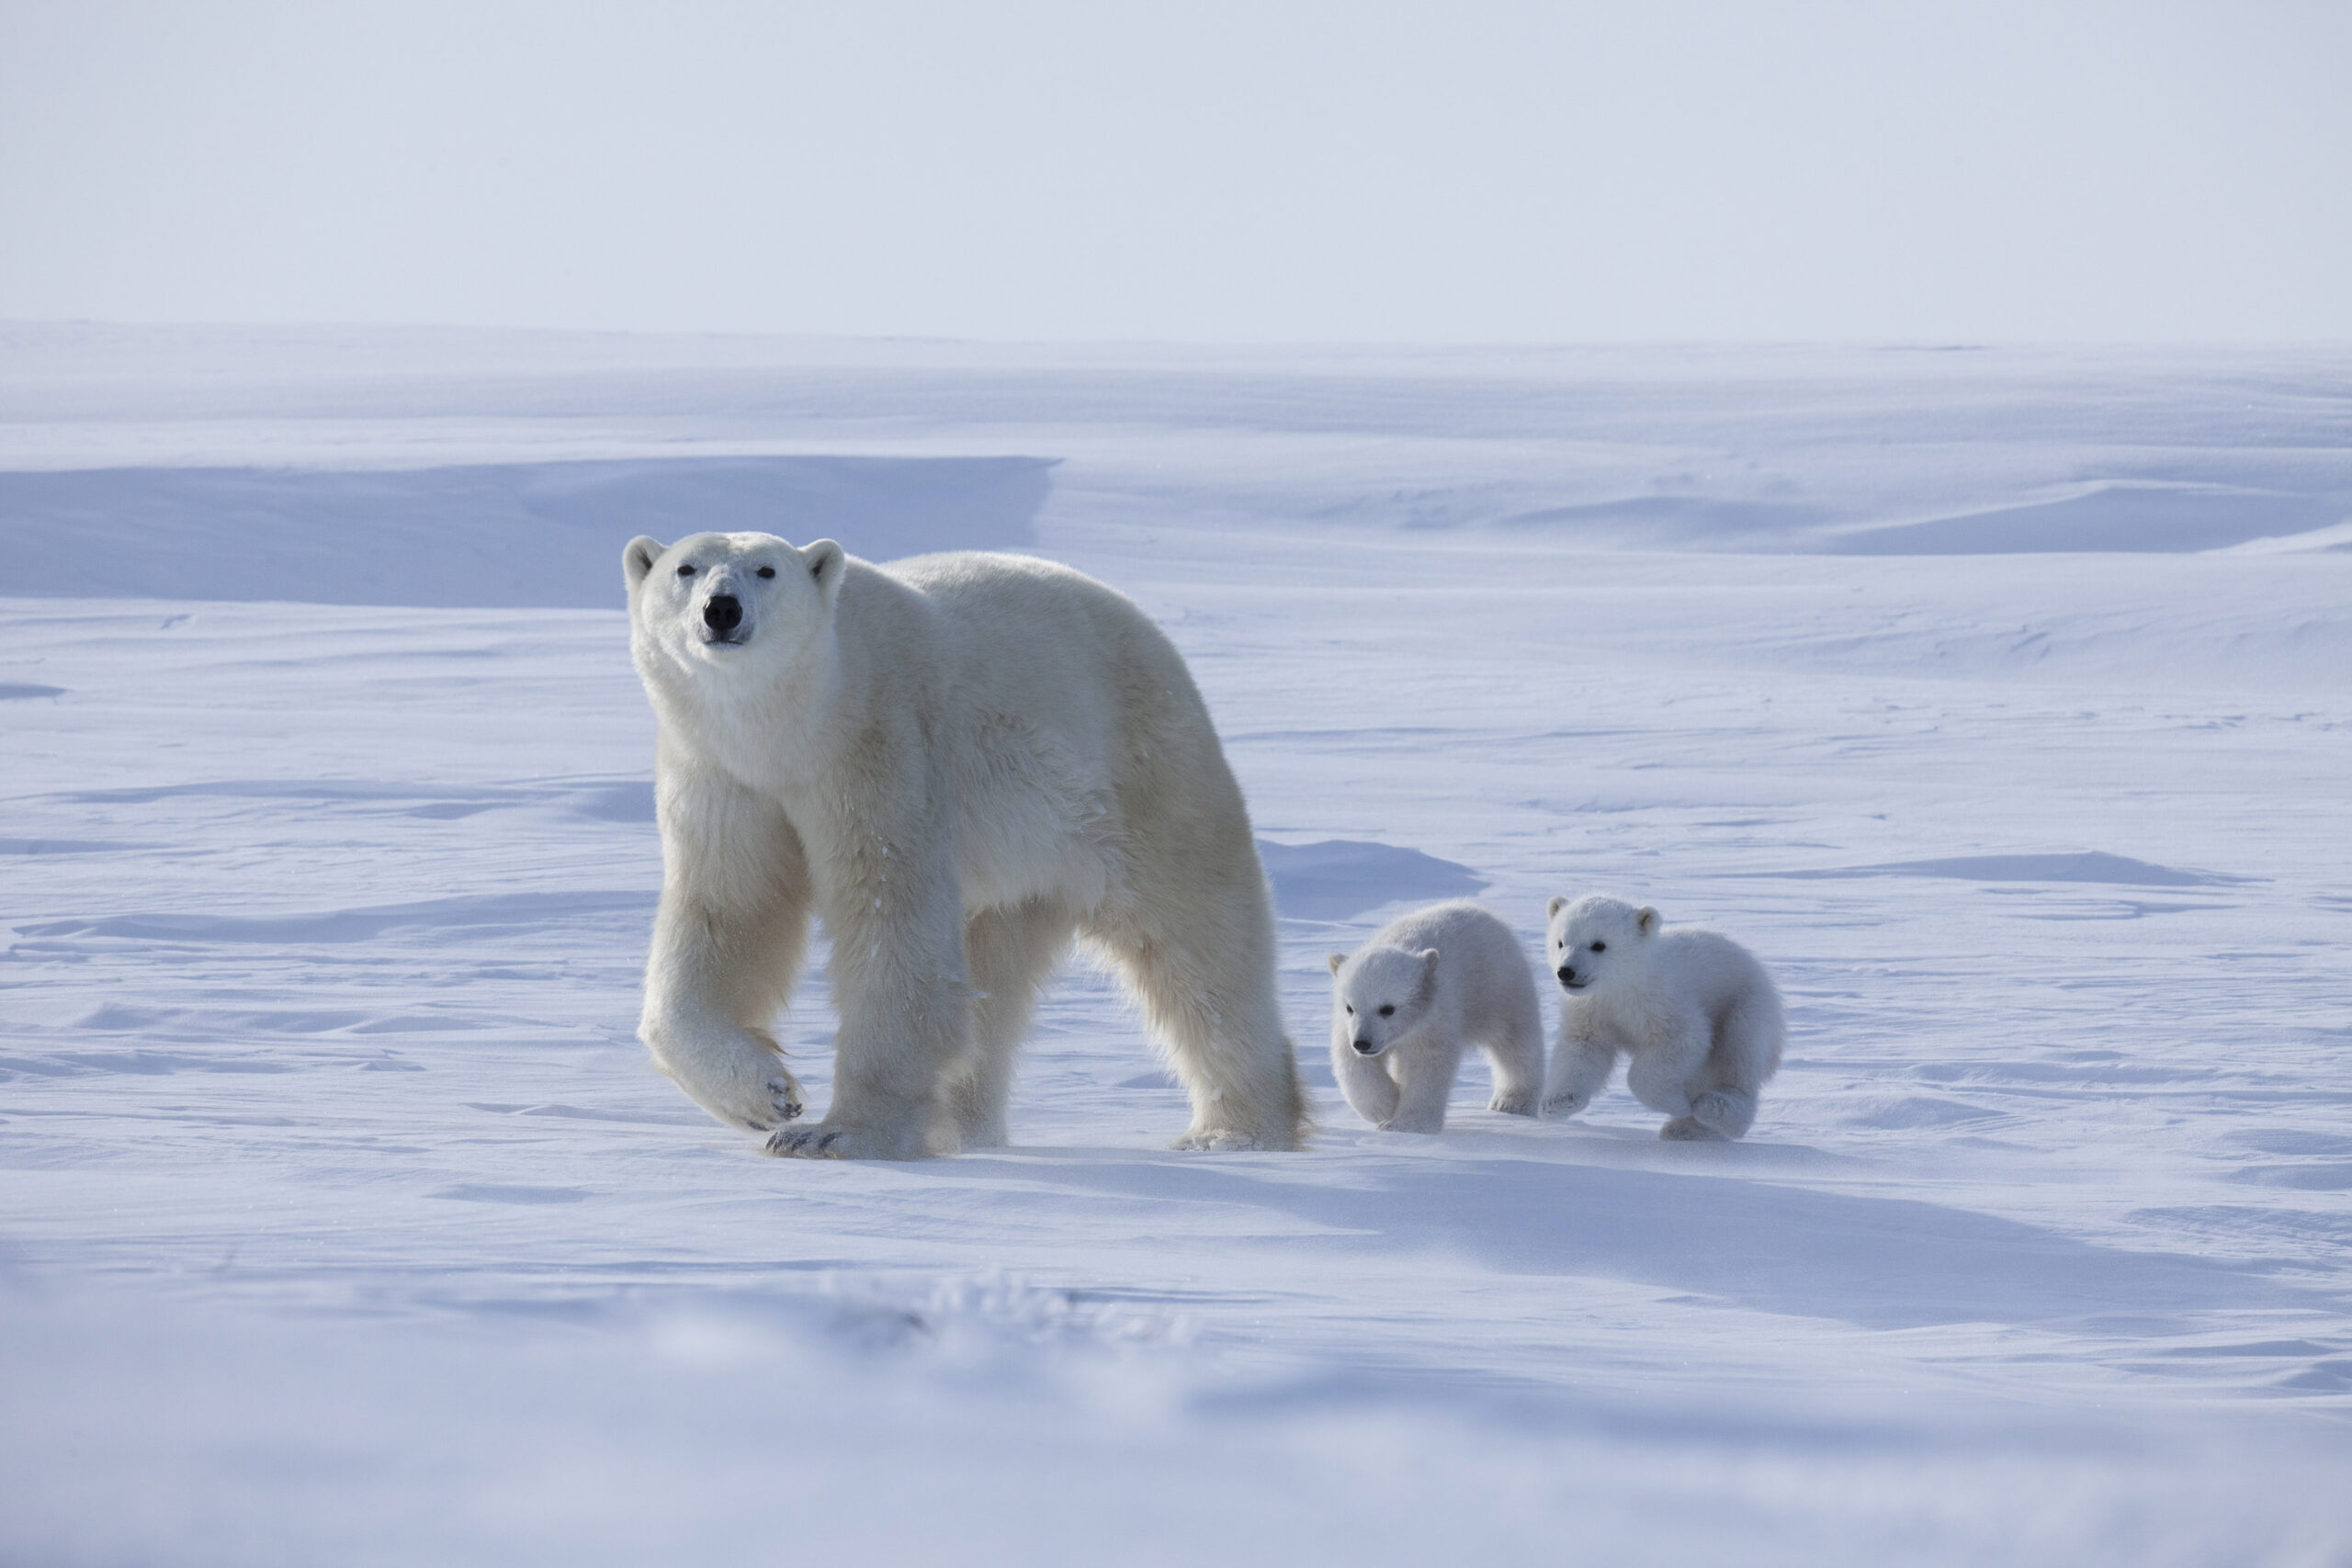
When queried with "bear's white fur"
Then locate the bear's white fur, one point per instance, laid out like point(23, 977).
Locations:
point(1695, 1012)
point(1406, 1004)
point(958, 762)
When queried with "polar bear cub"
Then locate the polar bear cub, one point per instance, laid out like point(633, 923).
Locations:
point(1406, 1004)
point(1694, 1010)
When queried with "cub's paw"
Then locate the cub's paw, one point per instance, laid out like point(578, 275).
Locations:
point(1223, 1140)
point(825, 1140)
point(1566, 1104)
point(1516, 1103)
point(1691, 1130)
point(1725, 1115)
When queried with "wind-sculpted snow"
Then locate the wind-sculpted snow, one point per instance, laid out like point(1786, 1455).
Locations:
point(538, 533)
point(1338, 877)
point(342, 1217)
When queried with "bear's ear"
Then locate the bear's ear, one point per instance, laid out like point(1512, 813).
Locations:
point(639, 556)
point(826, 562)
point(1555, 906)
point(1429, 958)
point(1337, 960)
point(1647, 920)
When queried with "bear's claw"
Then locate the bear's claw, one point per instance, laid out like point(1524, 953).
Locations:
point(822, 1140)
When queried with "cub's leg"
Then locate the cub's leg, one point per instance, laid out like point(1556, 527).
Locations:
point(1517, 1054)
point(1424, 1080)
point(1667, 1069)
point(728, 942)
point(1579, 1070)
point(1727, 1112)
point(1366, 1082)
point(1690, 1130)
point(1011, 952)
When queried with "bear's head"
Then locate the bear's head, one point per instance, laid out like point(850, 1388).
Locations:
point(731, 600)
point(1595, 938)
point(1381, 994)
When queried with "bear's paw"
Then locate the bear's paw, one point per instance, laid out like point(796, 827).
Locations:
point(1226, 1140)
point(1691, 1130)
point(829, 1140)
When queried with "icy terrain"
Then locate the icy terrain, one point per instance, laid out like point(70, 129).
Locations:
point(1998, 700)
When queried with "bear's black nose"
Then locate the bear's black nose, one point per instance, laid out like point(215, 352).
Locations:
point(723, 614)
point(1363, 1047)
point(1567, 976)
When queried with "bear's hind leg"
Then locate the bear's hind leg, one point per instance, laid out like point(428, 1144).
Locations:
point(1690, 1130)
point(1516, 1054)
point(1011, 953)
point(1204, 974)
point(1728, 1113)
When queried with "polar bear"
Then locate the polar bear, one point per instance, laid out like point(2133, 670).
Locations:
point(958, 762)
point(1695, 1011)
point(1405, 1005)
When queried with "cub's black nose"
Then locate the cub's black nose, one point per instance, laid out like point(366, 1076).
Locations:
point(1567, 976)
point(723, 614)
point(1363, 1047)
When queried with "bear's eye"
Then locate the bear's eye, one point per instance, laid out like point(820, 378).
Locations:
point(1600, 947)
point(1389, 1011)
point(686, 571)
point(1350, 1007)
point(766, 572)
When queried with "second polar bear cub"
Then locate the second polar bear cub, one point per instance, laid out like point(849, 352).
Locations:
point(1694, 1010)
point(1406, 1004)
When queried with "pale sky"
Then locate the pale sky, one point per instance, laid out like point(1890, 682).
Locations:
point(1195, 171)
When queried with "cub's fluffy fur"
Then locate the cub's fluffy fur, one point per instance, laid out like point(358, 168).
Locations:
point(1694, 1011)
point(1406, 1004)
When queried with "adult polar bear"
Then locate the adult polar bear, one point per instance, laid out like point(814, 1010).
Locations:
point(959, 763)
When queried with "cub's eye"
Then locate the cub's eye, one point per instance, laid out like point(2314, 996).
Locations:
point(1350, 1007)
point(1389, 1011)
point(1600, 947)
point(686, 571)
point(765, 571)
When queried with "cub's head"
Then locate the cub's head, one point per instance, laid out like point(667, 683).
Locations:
point(1381, 994)
point(1593, 938)
point(729, 599)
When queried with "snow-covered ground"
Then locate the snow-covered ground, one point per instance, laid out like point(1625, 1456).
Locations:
point(1997, 699)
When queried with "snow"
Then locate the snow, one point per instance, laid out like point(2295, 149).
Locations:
point(343, 1219)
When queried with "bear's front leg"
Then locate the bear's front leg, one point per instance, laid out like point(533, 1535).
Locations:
point(1366, 1082)
point(1580, 1069)
point(897, 924)
point(1425, 1073)
point(727, 943)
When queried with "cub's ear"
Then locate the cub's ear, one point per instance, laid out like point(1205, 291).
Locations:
point(1647, 920)
point(1555, 906)
point(639, 556)
point(1429, 958)
point(1337, 960)
point(826, 562)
